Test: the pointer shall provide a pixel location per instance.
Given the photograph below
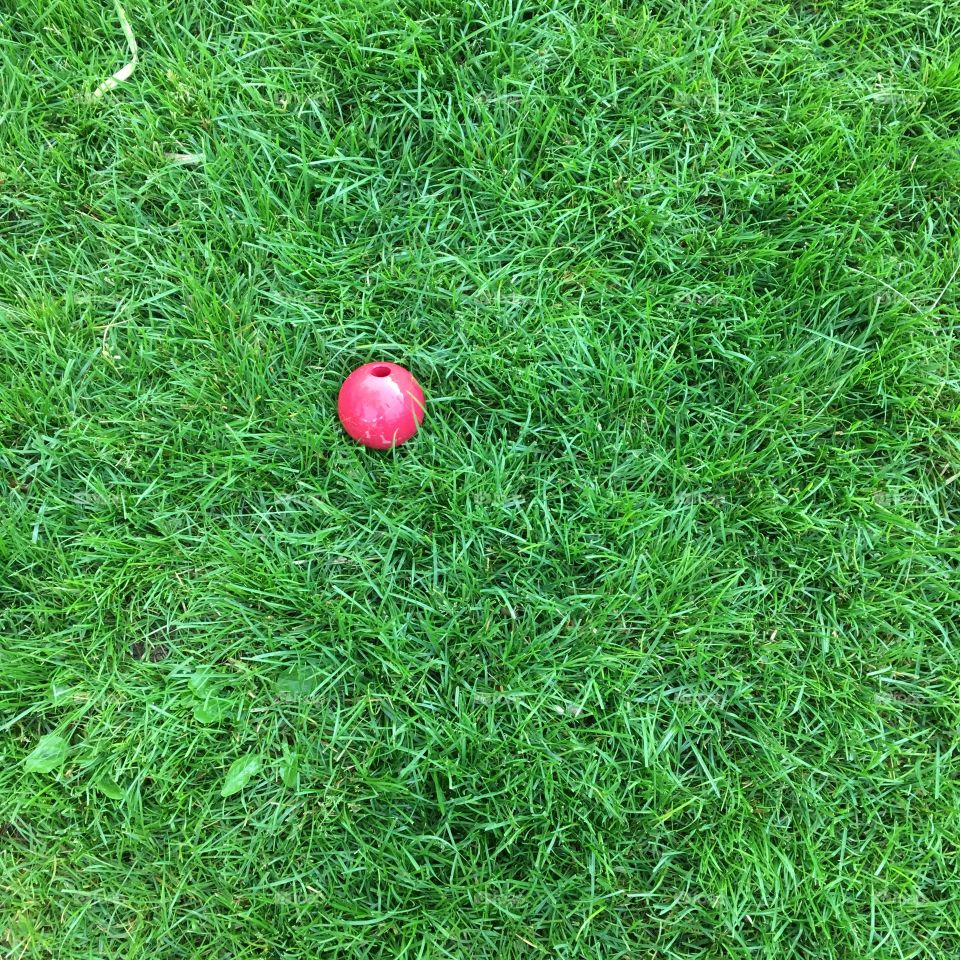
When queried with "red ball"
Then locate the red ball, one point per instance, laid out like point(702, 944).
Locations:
point(381, 405)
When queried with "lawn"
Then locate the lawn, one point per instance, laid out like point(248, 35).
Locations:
point(646, 646)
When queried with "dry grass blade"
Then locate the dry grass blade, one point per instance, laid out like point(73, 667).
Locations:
point(126, 71)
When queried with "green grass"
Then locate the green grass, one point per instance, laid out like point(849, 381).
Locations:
point(646, 646)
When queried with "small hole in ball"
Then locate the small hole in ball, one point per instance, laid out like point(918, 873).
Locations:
point(380, 371)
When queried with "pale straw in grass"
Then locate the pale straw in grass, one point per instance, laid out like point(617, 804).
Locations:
point(127, 69)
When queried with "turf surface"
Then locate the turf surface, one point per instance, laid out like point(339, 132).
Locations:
point(646, 646)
